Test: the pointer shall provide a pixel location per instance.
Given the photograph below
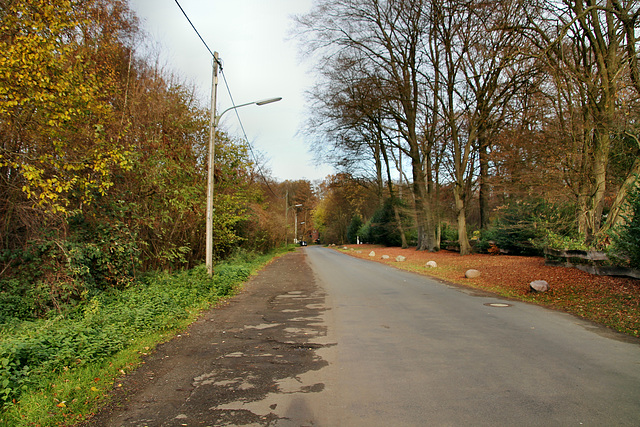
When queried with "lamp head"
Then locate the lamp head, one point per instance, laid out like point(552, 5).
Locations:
point(268, 101)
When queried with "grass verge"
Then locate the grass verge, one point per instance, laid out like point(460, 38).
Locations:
point(58, 371)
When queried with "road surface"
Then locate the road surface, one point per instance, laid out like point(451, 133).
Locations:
point(323, 339)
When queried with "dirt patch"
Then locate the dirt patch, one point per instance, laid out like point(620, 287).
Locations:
point(235, 355)
point(612, 301)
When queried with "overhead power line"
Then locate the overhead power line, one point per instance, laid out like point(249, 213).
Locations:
point(226, 83)
point(196, 30)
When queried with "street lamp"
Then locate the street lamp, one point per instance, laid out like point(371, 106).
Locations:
point(295, 231)
point(260, 103)
point(213, 124)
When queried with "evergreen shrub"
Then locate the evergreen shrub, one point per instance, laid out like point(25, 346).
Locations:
point(626, 237)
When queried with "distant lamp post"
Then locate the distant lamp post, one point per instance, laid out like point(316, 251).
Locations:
point(213, 124)
point(295, 230)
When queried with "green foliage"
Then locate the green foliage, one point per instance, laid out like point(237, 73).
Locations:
point(382, 227)
point(108, 323)
point(448, 233)
point(626, 237)
point(526, 227)
point(56, 273)
point(553, 240)
point(354, 228)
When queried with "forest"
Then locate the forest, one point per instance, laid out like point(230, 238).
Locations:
point(509, 125)
point(103, 162)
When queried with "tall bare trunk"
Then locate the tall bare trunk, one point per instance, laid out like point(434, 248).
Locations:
point(427, 238)
point(463, 240)
point(483, 195)
point(394, 199)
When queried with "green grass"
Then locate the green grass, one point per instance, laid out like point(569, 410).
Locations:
point(58, 371)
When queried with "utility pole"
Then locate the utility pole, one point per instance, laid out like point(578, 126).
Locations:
point(286, 218)
point(211, 169)
point(295, 232)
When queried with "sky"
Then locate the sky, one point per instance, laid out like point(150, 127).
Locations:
point(260, 61)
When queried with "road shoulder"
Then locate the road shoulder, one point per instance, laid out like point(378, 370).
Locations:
point(239, 364)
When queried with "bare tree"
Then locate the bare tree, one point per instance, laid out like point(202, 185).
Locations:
point(385, 37)
point(583, 42)
point(478, 78)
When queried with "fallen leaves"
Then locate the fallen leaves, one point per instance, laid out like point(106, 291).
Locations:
point(611, 301)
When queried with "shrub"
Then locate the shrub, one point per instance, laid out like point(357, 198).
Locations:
point(526, 227)
point(626, 237)
point(382, 228)
point(353, 231)
point(448, 232)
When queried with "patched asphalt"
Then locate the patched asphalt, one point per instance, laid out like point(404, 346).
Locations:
point(241, 363)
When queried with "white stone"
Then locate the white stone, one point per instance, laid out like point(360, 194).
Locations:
point(372, 253)
point(385, 256)
point(401, 258)
point(472, 274)
point(431, 264)
point(539, 286)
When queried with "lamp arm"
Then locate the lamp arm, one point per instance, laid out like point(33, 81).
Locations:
point(233, 107)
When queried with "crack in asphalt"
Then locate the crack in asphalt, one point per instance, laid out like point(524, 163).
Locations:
point(237, 364)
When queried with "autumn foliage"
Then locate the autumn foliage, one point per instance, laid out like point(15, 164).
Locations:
point(611, 301)
point(103, 161)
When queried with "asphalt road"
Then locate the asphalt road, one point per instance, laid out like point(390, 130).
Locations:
point(413, 351)
point(323, 339)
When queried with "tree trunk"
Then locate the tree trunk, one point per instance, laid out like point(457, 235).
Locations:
point(483, 195)
point(394, 200)
point(379, 179)
point(463, 240)
point(424, 215)
point(596, 202)
point(614, 217)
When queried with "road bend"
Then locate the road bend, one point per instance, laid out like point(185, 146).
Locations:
point(413, 351)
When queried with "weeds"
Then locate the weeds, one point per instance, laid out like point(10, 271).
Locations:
point(50, 366)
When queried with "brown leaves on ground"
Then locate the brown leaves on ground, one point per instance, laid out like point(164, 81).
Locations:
point(611, 301)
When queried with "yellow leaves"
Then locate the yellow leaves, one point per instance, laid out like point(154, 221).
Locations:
point(48, 86)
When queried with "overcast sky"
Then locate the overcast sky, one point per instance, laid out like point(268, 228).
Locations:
point(251, 39)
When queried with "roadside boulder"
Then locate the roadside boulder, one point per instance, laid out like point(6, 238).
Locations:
point(539, 286)
point(472, 274)
point(385, 257)
point(431, 264)
point(401, 258)
point(372, 253)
